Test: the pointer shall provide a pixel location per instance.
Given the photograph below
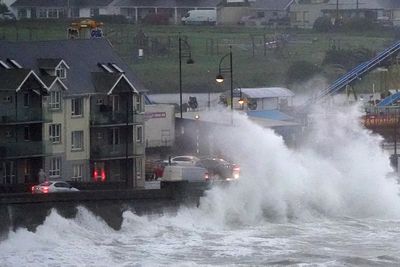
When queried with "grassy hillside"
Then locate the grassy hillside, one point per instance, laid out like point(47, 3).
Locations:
point(253, 65)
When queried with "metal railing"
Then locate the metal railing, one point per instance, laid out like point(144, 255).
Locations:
point(23, 149)
point(101, 151)
point(109, 117)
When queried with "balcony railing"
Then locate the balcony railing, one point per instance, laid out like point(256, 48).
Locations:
point(100, 151)
point(22, 116)
point(23, 149)
point(110, 118)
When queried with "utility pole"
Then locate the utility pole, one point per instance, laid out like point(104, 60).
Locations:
point(337, 11)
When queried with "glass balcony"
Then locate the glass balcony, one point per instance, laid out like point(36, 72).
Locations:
point(22, 149)
point(101, 151)
point(22, 116)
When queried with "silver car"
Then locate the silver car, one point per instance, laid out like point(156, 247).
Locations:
point(53, 187)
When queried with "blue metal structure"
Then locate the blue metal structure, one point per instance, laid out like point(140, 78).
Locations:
point(358, 72)
point(389, 100)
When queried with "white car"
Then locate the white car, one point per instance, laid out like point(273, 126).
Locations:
point(53, 187)
point(185, 160)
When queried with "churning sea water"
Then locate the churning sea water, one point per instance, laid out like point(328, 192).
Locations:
point(330, 201)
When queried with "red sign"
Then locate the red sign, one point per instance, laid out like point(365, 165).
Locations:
point(155, 115)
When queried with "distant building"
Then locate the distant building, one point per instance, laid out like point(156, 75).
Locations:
point(254, 12)
point(72, 108)
point(137, 10)
point(303, 14)
point(159, 128)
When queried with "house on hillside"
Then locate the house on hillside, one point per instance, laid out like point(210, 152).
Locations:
point(256, 12)
point(72, 108)
point(137, 10)
point(42, 9)
point(303, 13)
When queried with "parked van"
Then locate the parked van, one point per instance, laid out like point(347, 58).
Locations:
point(200, 17)
point(184, 173)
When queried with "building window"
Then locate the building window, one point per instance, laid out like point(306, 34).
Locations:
point(53, 13)
point(55, 100)
point(115, 103)
point(77, 140)
point(99, 101)
point(139, 166)
point(55, 133)
point(22, 13)
point(61, 73)
point(9, 170)
point(138, 103)
point(27, 100)
point(114, 138)
point(55, 168)
point(27, 133)
point(94, 12)
point(77, 107)
point(139, 133)
point(77, 172)
point(9, 133)
point(7, 99)
point(42, 13)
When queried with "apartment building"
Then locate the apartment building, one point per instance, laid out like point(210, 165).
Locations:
point(77, 106)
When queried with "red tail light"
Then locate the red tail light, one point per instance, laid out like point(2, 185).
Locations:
point(95, 175)
point(103, 175)
point(45, 189)
point(33, 189)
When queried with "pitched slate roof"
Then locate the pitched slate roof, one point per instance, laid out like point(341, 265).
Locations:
point(272, 4)
point(11, 79)
point(167, 3)
point(82, 56)
point(103, 82)
point(60, 3)
point(48, 63)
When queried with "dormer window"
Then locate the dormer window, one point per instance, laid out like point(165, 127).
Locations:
point(61, 72)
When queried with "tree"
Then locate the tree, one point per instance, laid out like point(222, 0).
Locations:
point(301, 71)
point(323, 24)
point(348, 58)
point(3, 8)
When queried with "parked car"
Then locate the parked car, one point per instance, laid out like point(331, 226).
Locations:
point(219, 169)
point(53, 187)
point(185, 160)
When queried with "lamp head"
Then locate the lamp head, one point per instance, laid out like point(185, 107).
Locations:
point(241, 101)
point(219, 78)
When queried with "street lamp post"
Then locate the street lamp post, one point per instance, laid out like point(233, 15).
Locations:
point(229, 70)
point(183, 52)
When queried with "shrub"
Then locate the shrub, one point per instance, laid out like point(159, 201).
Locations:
point(348, 58)
point(323, 24)
point(301, 71)
point(358, 24)
point(156, 19)
point(117, 19)
point(3, 8)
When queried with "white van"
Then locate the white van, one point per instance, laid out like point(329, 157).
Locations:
point(200, 17)
point(184, 173)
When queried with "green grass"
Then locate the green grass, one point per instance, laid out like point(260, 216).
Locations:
point(159, 71)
